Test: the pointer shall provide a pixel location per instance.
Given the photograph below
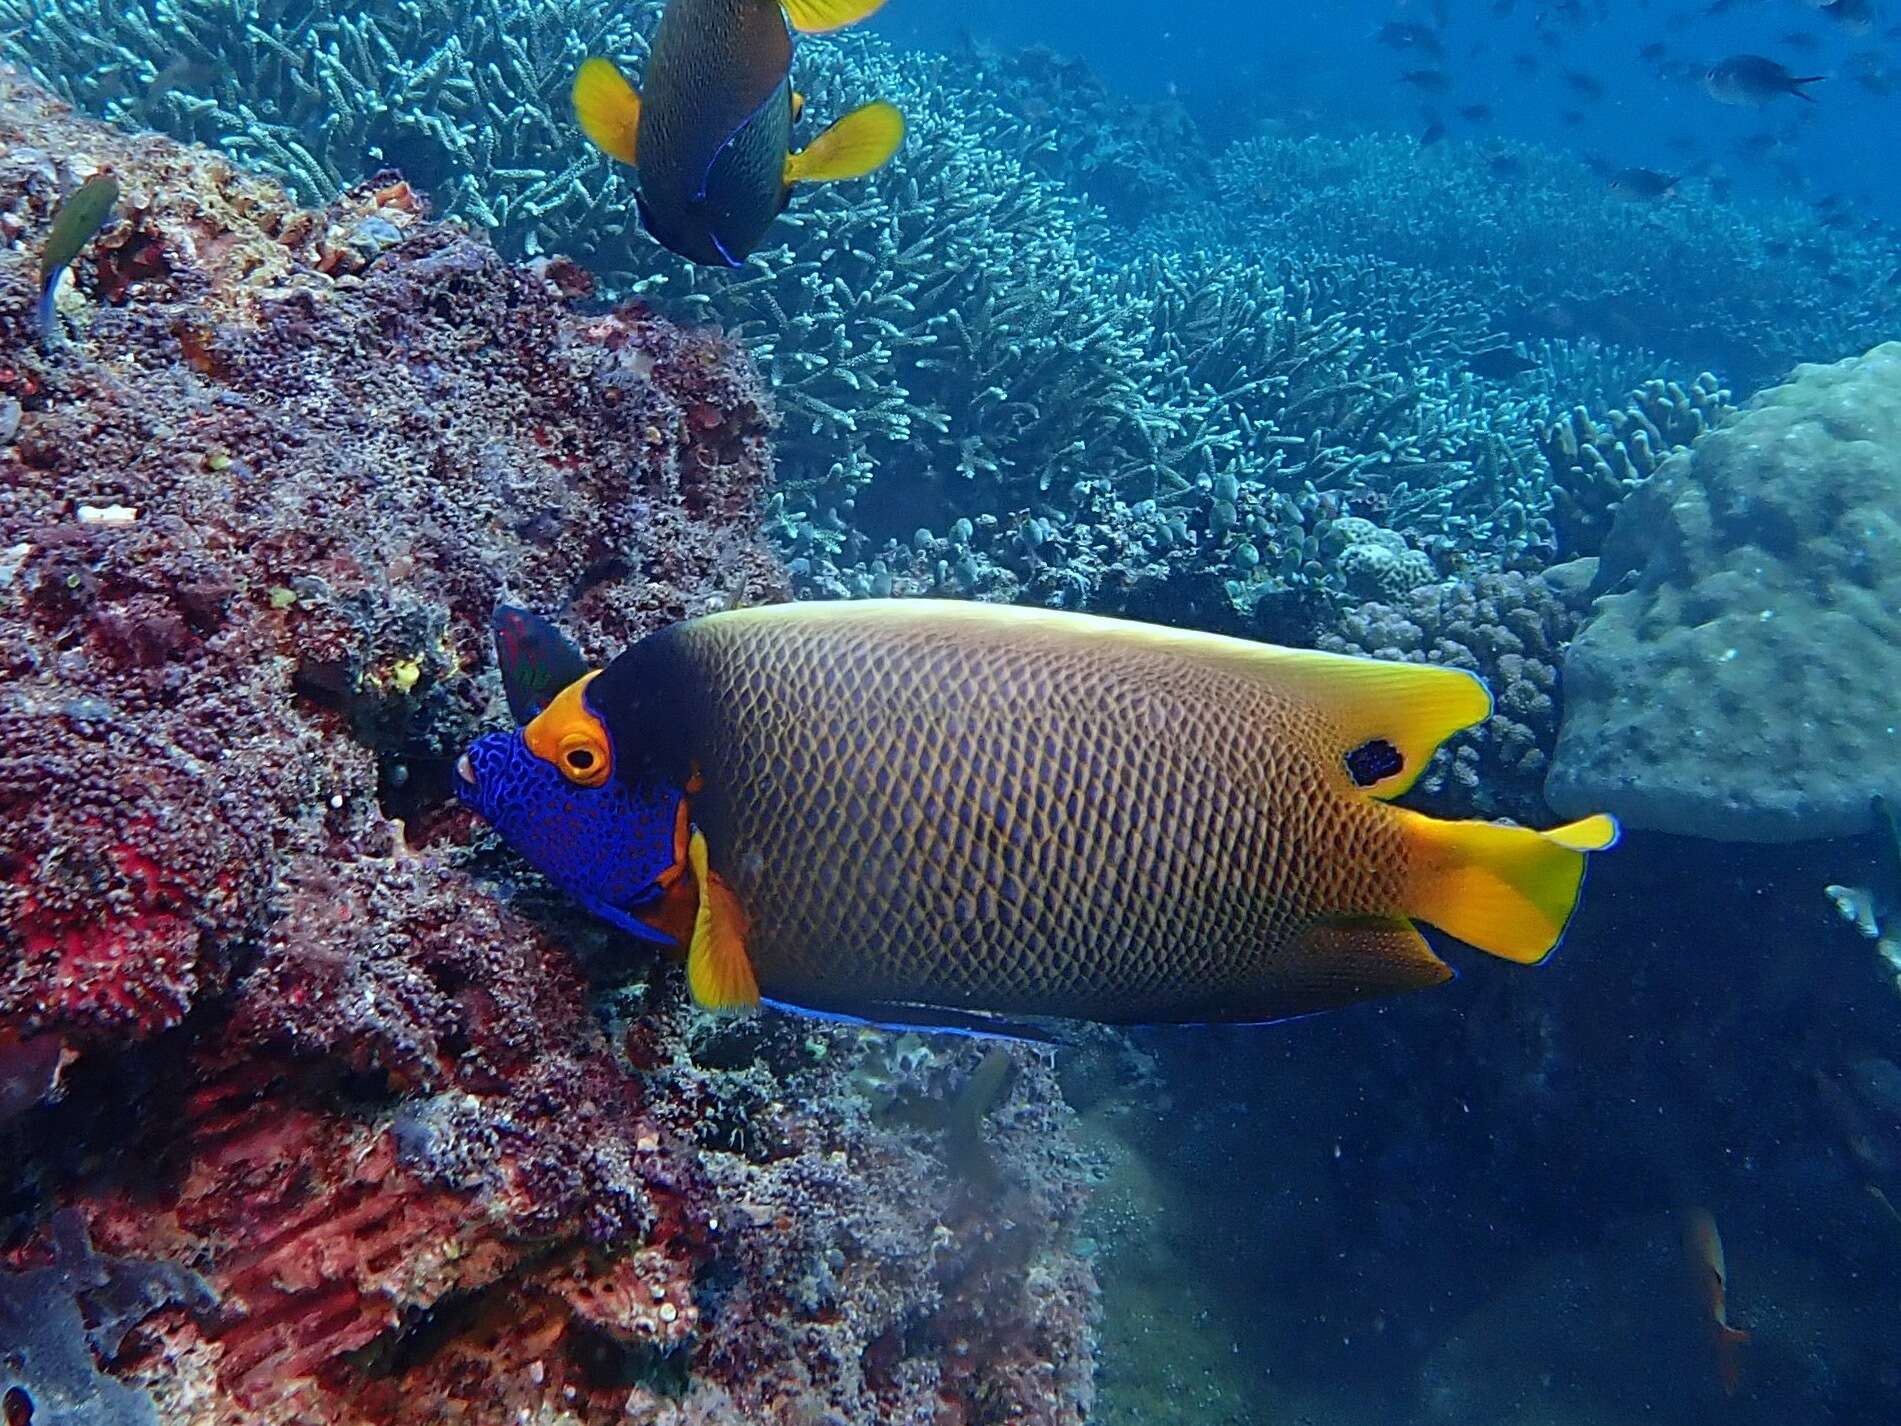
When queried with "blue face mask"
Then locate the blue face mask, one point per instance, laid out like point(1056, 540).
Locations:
point(608, 847)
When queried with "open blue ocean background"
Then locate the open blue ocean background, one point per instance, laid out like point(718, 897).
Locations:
point(1319, 64)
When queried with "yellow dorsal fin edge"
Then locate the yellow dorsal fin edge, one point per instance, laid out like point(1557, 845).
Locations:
point(718, 970)
point(1414, 706)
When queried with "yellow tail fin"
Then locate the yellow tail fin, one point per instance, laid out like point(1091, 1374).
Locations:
point(607, 107)
point(859, 143)
point(815, 16)
point(1507, 890)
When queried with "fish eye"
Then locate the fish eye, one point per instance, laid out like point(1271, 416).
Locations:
point(582, 758)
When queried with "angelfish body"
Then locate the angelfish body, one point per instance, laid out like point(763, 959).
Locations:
point(906, 806)
point(711, 133)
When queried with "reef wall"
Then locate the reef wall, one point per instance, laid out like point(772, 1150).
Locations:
point(313, 1109)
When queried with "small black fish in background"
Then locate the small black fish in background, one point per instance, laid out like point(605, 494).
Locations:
point(712, 137)
point(1644, 185)
point(79, 217)
point(1499, 363)
point(1585, 86)
point(1427, 81)
point(1855, 16)
point(1434, 131)
point(1475, 113)
point(1752, 80)
point(1505, 167)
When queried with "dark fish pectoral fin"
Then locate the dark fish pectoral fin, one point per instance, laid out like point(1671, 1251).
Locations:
point(1344, 960)
point(861, 142)
point(608, 109)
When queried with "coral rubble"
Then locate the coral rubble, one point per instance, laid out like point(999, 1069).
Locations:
point(1736, 680)
point(280, 1033)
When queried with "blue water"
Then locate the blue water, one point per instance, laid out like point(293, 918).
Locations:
point(1319, 64)
point(1211, 353)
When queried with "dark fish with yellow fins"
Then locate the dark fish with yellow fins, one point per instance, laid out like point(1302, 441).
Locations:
point(711, 135)
point(937, 812)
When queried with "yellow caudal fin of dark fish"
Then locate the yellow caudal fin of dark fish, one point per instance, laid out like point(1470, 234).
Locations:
point(1507, 890)
point(859, 143)
point(607, 107)
point(718, 970)
point(816, 16)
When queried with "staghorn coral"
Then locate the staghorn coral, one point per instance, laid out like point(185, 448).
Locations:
point(1052, 112)
point(1595, 464)
point(300, 1034)
point(1511, 629)
point(939, 340)
point(1543, 244)
point(468, 99)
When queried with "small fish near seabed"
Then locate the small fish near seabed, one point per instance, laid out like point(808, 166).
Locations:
point(1703, 1253)
point(711, 134)
point(934, 813)
point(78, 219)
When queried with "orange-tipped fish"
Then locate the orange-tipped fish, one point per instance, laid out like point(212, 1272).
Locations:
point(926, 811)
point(1703, 1249)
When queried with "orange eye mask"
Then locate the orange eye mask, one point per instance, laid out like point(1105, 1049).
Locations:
point(568, 735)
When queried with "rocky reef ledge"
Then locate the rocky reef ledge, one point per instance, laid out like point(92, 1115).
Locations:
point(314, 1107)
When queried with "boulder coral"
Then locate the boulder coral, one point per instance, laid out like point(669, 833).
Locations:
point(313, 1110)
point(1737, 678)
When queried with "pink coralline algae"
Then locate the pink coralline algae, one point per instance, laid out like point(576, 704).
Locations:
point(277, 1020)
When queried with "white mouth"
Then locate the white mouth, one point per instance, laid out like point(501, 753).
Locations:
point(464, 770)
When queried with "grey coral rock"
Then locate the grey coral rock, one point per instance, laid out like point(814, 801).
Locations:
point(1738, 679)
point(1377, 563)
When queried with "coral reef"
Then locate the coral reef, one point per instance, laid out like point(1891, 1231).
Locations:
point(1543, 243)
point(272, 1012)
point(1511, 629)
point(1735, 680)
point(942, 343)
point(1596, 463)
point(468, 99)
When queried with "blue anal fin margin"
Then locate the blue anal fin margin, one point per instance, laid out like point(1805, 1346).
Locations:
point(938, 1020)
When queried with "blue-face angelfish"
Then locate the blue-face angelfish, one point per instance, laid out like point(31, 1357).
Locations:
point(932, 812)
point(712, 133)
point(615, 844)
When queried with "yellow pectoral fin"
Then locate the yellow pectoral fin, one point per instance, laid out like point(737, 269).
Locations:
point(1507, 890)
point(859, 143)
point(608, 108)
point(816, 16)
point(718, 970)
point(798, 105)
